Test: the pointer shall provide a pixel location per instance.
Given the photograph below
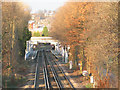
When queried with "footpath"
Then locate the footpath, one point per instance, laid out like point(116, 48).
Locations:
point(76, 79)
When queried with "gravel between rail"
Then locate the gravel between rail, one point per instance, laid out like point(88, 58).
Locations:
point(74, 76)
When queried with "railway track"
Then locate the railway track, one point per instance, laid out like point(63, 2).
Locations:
point(61, 79)
point(45, 71)
point(37, 71)
point(53, 75)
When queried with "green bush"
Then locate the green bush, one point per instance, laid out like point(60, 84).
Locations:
point(22, 41)
point(45, 31)
point(36, 34)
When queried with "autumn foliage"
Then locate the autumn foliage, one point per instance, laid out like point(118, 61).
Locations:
point(90, 28)
point(15, 16)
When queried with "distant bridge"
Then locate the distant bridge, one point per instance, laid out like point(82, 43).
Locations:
point(36, 40)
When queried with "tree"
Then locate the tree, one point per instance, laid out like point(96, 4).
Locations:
point(36, 34)
point(93, 28)
point(103, 37)
point(68, 25)
point(45, 31)
point(15, 16)
point(22, 42)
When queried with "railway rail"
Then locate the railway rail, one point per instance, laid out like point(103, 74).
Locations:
point(55, 75)
point(45, 71)
point(36, 72)
point(55, 70)
point(52, 72)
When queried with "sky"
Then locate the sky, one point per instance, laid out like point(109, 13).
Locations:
point(44, 4)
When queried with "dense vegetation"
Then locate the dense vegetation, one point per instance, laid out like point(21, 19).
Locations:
point(45, 31)
point(22, 41)
point(40, 34)
point(36, 34)
point(91, 31)
point(15, 16)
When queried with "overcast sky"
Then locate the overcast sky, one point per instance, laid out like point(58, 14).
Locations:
point(44, 4)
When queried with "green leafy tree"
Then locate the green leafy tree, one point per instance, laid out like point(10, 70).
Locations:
point(36, 34)
point(22, 42)
point(45, 31)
